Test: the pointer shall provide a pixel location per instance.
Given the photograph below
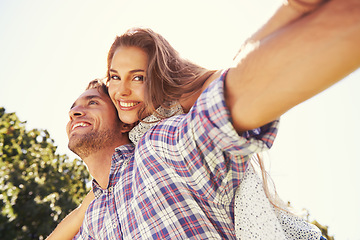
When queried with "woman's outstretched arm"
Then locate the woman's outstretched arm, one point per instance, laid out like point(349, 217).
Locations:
point(294, 63)
point(70, 225)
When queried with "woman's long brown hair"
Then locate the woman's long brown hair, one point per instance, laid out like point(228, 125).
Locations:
point(168, 75)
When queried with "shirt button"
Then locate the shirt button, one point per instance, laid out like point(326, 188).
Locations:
point(110, 189)
point(114, 225)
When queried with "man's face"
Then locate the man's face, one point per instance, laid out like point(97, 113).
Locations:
point(93, 124)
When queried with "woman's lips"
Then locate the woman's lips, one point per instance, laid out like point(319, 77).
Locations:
point(128, 105)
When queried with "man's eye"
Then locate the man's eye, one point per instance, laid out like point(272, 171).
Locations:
point(92, 102)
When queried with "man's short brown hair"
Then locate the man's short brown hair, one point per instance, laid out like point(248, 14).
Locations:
point(99, 84)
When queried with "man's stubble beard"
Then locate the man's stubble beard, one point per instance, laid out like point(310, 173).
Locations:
point(92, 142)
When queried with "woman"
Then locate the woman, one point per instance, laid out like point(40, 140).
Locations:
point(145, 102)
point(148, 81)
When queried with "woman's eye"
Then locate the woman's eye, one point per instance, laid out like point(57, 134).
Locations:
point(139, 78)
point(114, 77)
point(92, 102)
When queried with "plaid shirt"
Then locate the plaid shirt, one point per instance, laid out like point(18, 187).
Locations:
point(180, 180)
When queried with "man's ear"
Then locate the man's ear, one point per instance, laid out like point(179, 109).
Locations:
point(127, 127)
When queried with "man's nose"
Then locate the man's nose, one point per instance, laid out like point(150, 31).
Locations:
point(76, 111)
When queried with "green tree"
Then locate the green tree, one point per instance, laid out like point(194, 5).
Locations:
point(38, 187)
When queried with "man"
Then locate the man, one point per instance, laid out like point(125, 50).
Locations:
point(94, 131)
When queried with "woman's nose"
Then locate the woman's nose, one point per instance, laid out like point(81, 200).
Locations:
point(124, 88)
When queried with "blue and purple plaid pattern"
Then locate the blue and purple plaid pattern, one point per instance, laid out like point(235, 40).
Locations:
point(180, 180)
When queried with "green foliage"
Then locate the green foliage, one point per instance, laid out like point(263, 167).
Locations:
point(38, 187)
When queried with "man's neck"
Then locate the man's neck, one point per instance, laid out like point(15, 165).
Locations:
point(99, 164)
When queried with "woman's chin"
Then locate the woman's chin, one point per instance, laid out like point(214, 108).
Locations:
point(128, 119)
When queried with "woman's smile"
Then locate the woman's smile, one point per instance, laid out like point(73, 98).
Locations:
point(128, 105)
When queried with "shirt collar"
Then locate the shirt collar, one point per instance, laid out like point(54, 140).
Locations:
point(173, 109)
point(121, 155)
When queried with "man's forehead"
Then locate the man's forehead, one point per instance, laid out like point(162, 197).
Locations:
point(91, 94)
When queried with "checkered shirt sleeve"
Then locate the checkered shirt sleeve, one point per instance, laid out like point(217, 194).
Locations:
point(181, 180)
point(204, 145)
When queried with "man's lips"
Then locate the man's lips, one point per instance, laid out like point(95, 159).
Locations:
point(79, 124)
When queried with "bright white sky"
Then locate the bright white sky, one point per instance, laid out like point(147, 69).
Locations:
point(50, 50)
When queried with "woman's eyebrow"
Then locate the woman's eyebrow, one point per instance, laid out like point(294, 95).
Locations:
point(137, 70)
point(131, 71)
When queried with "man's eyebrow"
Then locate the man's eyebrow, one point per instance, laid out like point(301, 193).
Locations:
point(87, 98)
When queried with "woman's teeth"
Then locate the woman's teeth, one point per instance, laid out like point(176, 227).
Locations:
point(128, 104)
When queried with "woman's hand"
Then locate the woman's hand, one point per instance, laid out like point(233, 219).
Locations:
point(294, 63)
point(287, 13)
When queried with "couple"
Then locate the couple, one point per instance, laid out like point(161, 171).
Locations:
point(181, 177)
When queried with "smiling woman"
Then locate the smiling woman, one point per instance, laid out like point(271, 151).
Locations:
point(126, 82)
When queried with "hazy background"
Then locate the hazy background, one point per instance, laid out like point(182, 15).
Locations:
point(50, 50)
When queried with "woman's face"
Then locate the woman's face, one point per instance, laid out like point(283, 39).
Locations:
point(126, 83)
